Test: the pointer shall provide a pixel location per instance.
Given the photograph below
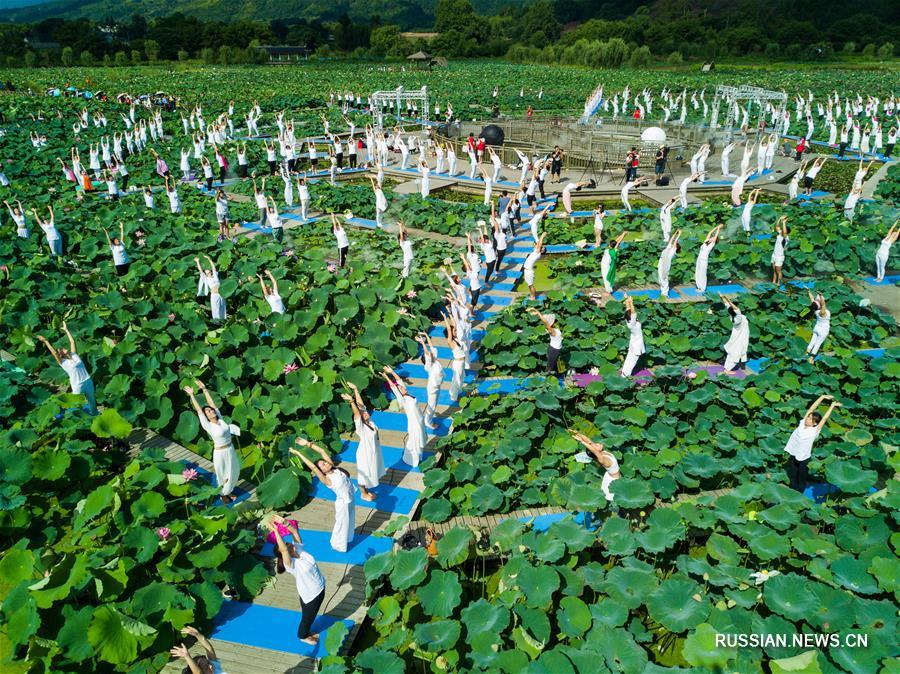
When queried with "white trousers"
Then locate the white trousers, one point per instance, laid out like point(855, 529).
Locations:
point(631, 360)
point(880, 265)
point(818, 338)
point(227, 466)
point(344, 525)
point(732, 360)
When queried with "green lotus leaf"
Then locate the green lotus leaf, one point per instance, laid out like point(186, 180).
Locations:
point(678, 604)
point(375, 659)
point(787, 595)
point(631, 493)
point(700, 650)
point(110, 424)
point(484, 618)
point(409, 568)
point(629, 586)
point(852, 574)
point(453, 547)
point(279, 489)
point(506, 534)
point(73, 635)
point(538, 583)
point(113, 641)
point(439, 635)
point(573, 616)
point(441, 594)
point(850, 477)
point(150, 505)
point(436, 510)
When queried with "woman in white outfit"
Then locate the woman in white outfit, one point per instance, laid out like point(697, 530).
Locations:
point(68, 359)
point(458, 364)
point(425, 180)
point(216, 301)
point(609, 261)
point(435, 371)
point(635, 338)
point(725, 160)
point(380, 202)
point(683, 189)
point(665, 263)
point(739, 341)
point(208, 279)
point(605, 459)
point(416, 437)
point(270, 293)
point(883, 254)
point(628, 186)
point(665, 217)
point(369, 458)
point(599, 215)
point(303, 194)
point(822, 326)
point(781, 240)
point(338, 480)
point(407, 248)
point(226, 463)
point(530, 261)
point(794, 185)
point(556, 339)
point(18, 216)
point(54, 240)
point(737, 187)
point(747, 210)
point(703, 257)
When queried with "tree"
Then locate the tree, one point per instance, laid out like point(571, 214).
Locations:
point(869, 51)
point(151, 49)
point(456, 15)
point(107, 60)
point(208, 55)
point(675, 58)
point(66, 57)
point(384, 40)
point(224, 55)
point(121, 59)
point(540, 25)
point(30, 59)
point(886, 50)
point(640, 57)
point(86, 58)
point(135, 57)
point(183, 55)
point(849, 48)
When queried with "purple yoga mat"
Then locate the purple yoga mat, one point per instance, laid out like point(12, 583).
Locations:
point(645, 376)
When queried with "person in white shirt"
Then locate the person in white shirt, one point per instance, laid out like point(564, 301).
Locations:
point(202, 664)
point(435, 371)
point(291, 557)
point(488, 251)
point(812, 173)
point(683, 188)
point(270, 293)
point(822, 326)
point(369, 456)
point(605, 459)
point(343, 243)
point(70, 361)
point(883, 254)
point(739, 342)
point(665, 217)
point(556, 339)
point(635, 338)
point(778, 255)
point(406, 248)
point(627, 187)
point(702, 263)
point(172, 194)
point(530, 261)
point(226, 463)
point(381, 204)
point(338, 480)
point(537, 219)
point(850, 203)
point(665, 263)
point(117, 246)
point(725, 160)
point(747, 210)
point(303, 195)
point(800, 444)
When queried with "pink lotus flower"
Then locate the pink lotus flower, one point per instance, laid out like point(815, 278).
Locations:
point(163, 533)
point(332, 268)
point(691, 375)
point(411, 294)
point(288, 252)
point(189, 474)
point(291, 367)
point(171, 317)
point(142, 242)
point(139, 234)
point(403, 311)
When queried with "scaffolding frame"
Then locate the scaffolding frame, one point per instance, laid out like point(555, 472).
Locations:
point(383, 101)
point(733, 96)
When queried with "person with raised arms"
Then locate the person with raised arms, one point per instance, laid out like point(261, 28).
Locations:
point(605, 459)
point(54, 239)
point(202, 664)
point(69, 360)
point(737, 188)
point(665, 217)
point(435, 371)
point(17, 213)
point(608, 262)
point(794, 185)
point(273, 218)
point(500, 240)
point(343, 243)
point(778, 255)
point(664, 265)
point(812, 173)
point(291, 557)
point(683, 189)
point(381, 204)
point(626, 189)
point(270, 293)
point(747, 209)
point(567, 194)
point(599, 215)
point(303, 194)
point(635, 338)
point(226, 229)
point(338, 480)
point(406, 247)
point(712, 236)
point(172, 195)
point(117, 247)
point(725, 160)
point(883, 254)
point(458, 363)
point(488, 251)
point(369, 457)
point(530, 262)
point(537, 219)
point(211, 280)
point(799, 445)
point(738, 343)
point(226, 463)
point(416, 436)
point(822, 326)
point(556, 339)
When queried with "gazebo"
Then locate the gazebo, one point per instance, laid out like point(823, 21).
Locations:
point(420, 58)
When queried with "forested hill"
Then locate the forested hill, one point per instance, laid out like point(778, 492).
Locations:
point(406, 13)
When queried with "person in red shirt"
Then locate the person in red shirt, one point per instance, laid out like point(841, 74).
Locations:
point(479, 148)
point(471, 142)
point(637, 113)
point(530, 112)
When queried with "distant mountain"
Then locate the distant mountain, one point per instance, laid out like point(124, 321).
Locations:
point(13, 4)
point(407, 13)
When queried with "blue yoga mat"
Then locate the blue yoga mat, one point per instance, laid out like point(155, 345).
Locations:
point(516, 257)
point(446, 353)
point(802, 284)
point(649, 293)
point(568, 248)
point(872, 353)
point(318, 544)
point(254, 227)
point(420, 393)
point(268, 627)
point(396, 421)
point(389, 498)
point(727, 289)
point(438, 331)
point(505, 385)
point(393, 456)
point(819, 492)
point(418, 371)
point(238, 493)
point(362, 222)
point(494, 285)
point(888, 281)
point(489, 301)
